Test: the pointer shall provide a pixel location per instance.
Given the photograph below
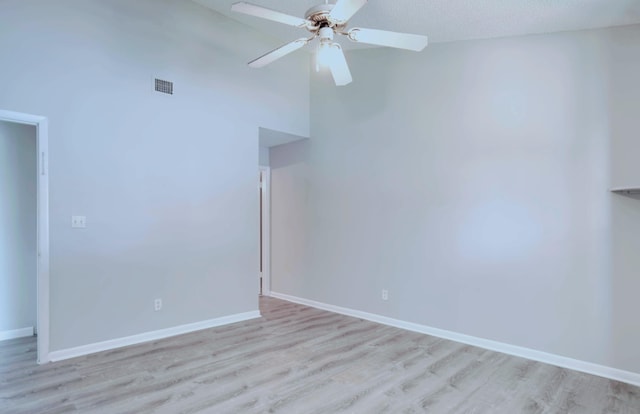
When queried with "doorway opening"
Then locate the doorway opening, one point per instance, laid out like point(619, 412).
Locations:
point(265, 232)
point(42, 224)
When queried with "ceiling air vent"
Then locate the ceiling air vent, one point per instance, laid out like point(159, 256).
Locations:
point(164, 86)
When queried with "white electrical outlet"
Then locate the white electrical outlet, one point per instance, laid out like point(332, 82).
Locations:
point(157, 304)
point(385, 294)
point(78, 222)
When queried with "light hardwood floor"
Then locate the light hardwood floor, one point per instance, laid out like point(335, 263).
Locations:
point(297, 359)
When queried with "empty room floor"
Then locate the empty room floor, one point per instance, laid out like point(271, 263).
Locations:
point(297, 359)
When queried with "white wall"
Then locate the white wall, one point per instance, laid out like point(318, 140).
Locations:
point(263, 156)
point(624, 123)
point(18, 198)
point(471, 181)
point(167, 183)
point(289, 232)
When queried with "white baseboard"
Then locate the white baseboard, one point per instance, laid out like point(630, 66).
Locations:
point(150, 336)
point(557, 360)
point(16, 333)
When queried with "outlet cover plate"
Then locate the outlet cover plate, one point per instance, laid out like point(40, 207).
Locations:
point(78, 222)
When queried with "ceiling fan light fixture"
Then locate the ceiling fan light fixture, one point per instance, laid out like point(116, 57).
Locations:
point(323, 56)
point(327, 54)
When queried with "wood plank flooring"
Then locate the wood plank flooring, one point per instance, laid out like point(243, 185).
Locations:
point(297, 359)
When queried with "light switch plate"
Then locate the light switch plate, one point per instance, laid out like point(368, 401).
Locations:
point(78, 222)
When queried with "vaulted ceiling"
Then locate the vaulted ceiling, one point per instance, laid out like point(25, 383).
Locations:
point(453, 20)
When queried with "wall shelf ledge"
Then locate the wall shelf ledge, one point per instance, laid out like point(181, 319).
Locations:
point(633, 192)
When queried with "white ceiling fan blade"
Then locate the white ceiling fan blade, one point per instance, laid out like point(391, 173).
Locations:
point(389, 39)
point(263, 12)
point(345, 9)
point(339, 67)
point(278, 53)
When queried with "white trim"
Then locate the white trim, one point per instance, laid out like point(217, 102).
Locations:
point(557, 360)
point(266, 231)
point(16, 333)
point(150, 336)
point(42, 132)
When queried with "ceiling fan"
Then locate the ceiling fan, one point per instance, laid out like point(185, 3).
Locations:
point(324, 21)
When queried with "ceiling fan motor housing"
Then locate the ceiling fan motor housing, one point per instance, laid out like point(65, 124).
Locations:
point(319, 16)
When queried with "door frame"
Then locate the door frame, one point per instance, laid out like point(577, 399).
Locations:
point(42, 144)
point(266, 230)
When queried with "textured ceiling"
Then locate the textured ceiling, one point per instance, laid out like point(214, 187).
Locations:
point(452, 20)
